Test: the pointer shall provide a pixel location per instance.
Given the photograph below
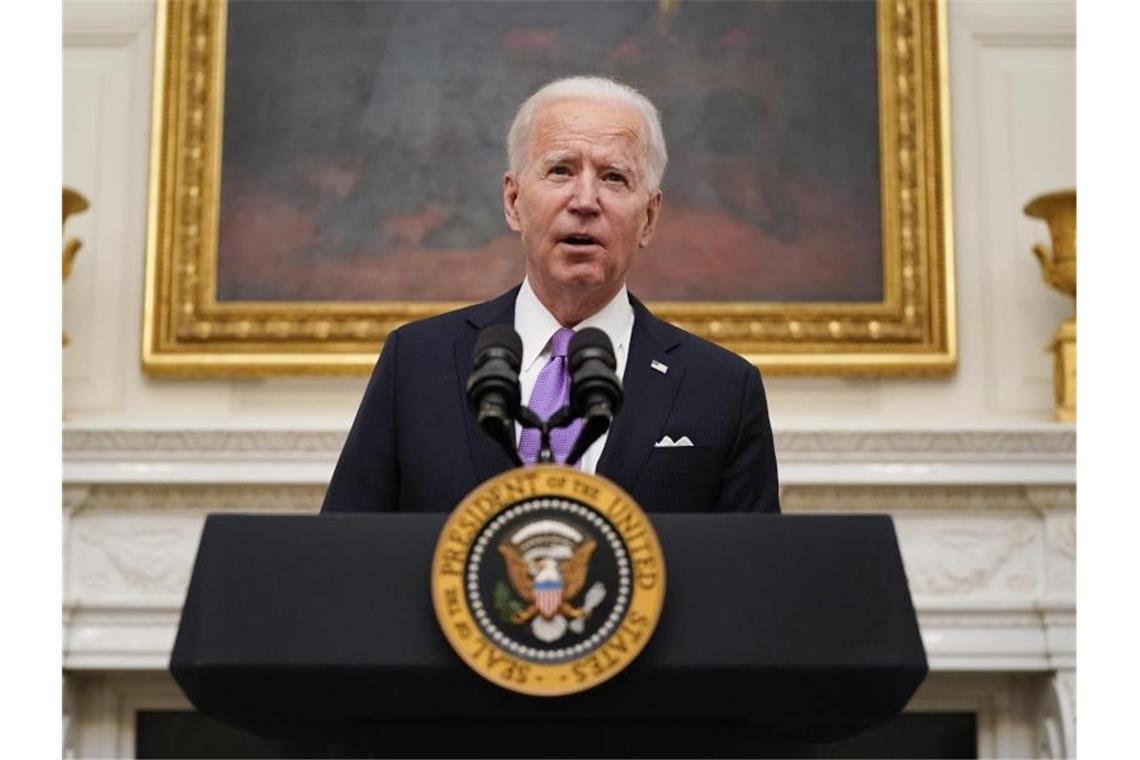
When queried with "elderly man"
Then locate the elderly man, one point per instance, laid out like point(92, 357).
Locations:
point(586, 157)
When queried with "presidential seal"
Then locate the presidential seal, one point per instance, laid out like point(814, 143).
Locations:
point(547, 580)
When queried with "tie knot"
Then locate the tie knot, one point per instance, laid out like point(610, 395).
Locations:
point(560, 341)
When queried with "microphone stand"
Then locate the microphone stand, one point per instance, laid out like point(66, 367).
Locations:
point(592, 430)
point(560, 419)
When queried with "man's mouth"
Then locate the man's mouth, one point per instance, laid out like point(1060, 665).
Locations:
point(580, 239)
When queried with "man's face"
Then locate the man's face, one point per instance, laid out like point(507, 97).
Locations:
point(581, 201)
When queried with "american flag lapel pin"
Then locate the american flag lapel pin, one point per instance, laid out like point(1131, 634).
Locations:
point(662, 368)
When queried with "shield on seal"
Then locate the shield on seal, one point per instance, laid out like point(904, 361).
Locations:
point(548, 596)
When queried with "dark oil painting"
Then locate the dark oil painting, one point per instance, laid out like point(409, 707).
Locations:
point(363, 145)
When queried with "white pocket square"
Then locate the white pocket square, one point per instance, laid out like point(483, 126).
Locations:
point(667, 441)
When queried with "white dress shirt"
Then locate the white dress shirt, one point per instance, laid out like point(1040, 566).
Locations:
point(536, 325)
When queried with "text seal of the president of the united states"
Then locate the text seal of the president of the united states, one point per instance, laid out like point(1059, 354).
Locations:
point(547, 580)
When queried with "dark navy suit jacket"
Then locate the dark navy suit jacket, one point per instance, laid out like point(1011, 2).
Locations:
point(415, 446)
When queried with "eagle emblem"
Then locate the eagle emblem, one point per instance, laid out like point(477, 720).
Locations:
point(547, 580)
point(547, 565)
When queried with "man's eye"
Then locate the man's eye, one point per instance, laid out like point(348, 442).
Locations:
point(614, 177)
point(560, 171)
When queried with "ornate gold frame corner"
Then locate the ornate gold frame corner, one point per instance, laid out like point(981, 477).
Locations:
point(187, 332)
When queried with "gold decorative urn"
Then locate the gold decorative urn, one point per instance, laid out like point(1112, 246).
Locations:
point(1059, 268)
point(73, 203)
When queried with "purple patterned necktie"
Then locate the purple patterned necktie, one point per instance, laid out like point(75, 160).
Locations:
point(551, 393)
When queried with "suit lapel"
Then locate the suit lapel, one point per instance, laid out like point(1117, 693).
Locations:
point(649, 397)
point(486, 457)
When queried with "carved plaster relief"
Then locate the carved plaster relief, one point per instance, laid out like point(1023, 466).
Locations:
point(1061, 553)
point(137, 558)
point(138, 542)
point(963, 557)
point(972, 541)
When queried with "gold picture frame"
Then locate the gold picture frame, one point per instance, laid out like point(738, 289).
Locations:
point(187, 331)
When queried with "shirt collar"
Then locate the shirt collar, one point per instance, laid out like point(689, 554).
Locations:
point(535, 324)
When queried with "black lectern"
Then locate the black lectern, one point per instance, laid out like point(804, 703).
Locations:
point(776, 631)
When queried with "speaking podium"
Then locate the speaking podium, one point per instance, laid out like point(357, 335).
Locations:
point(777, 631)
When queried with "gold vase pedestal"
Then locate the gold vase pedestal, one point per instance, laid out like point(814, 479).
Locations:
point(1059, 268)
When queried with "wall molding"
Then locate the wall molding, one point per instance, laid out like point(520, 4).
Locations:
point(94, 22)
point(1024, 455)
point(203, 498)
point(910, 497)
point(798, 499)
point(1024, 24)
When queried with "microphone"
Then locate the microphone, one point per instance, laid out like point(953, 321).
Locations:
point(595, 390)
point(493, 391)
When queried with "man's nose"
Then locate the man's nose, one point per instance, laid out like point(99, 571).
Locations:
point(585, 196)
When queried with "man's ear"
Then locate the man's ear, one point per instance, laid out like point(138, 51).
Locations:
point(652, 213)
point(510, 199)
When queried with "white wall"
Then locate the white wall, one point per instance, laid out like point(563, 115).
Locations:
point(1012, 83)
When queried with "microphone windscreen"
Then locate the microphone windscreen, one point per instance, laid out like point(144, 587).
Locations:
point(595, 338)
point(501, 337)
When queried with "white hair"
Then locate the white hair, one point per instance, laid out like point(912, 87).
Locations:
point(596, 88)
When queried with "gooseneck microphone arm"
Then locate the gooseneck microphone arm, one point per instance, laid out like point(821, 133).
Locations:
point(529, 419)
point(595, 389)
point(592, 429)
